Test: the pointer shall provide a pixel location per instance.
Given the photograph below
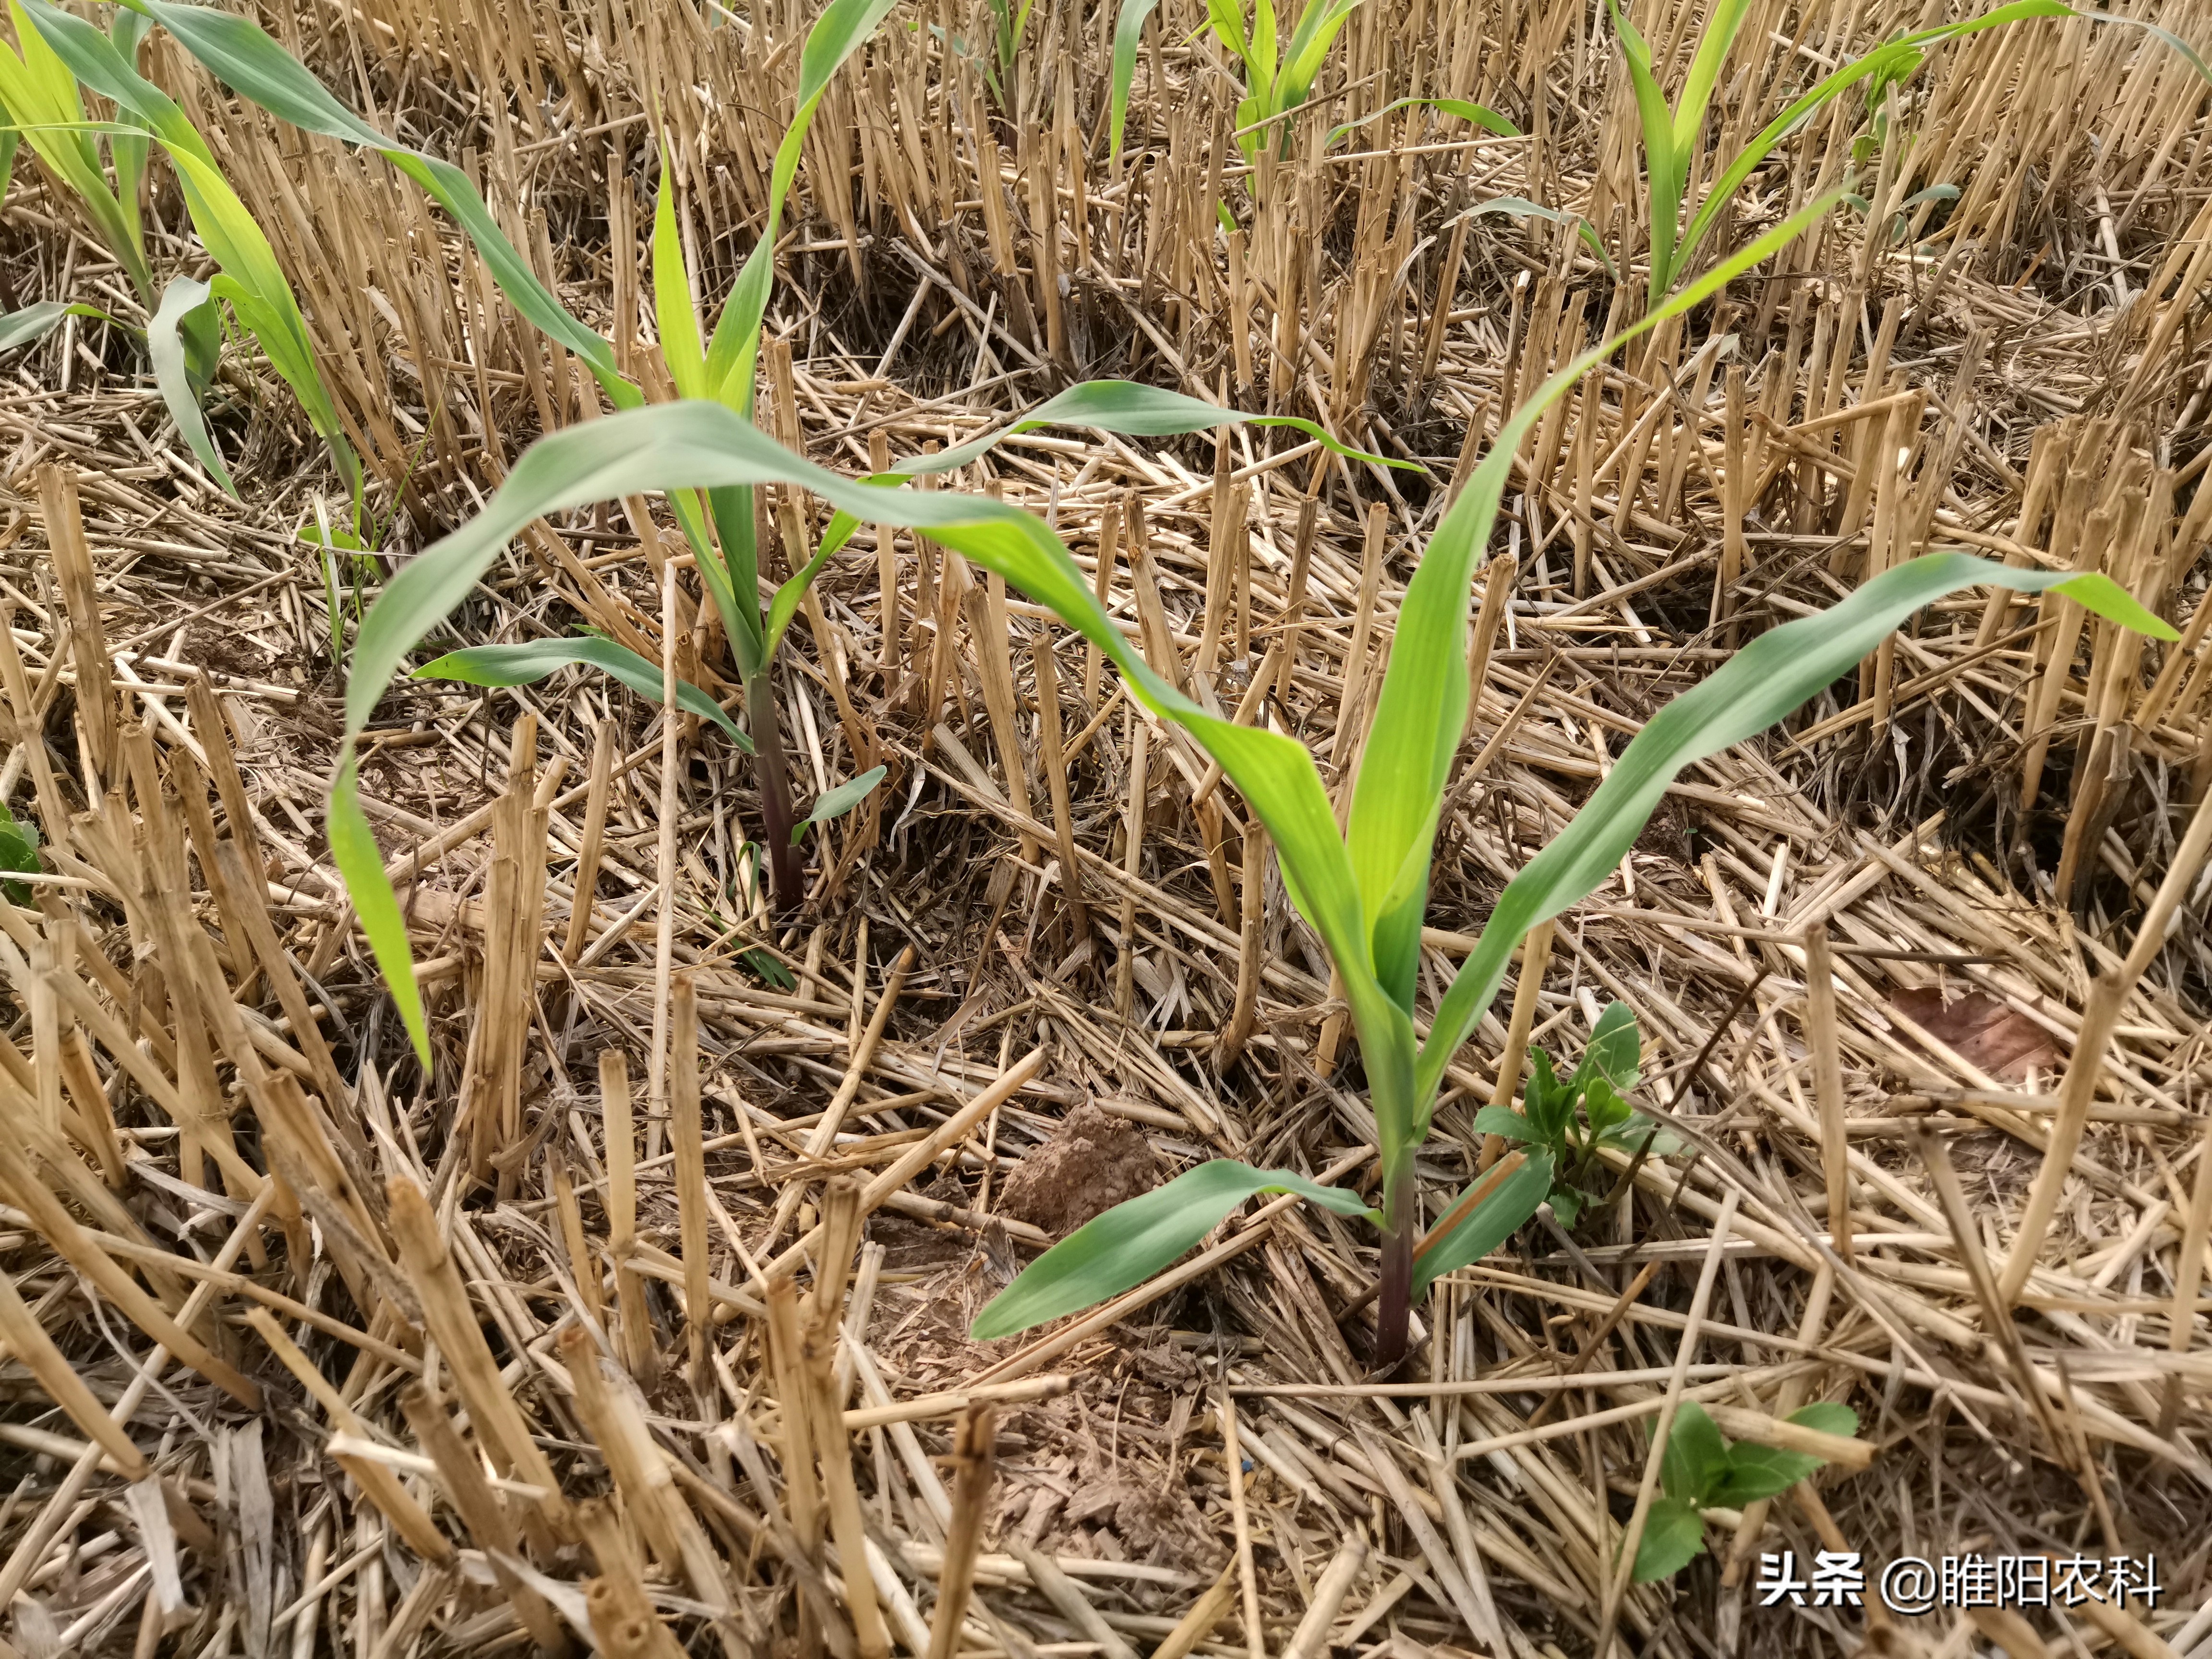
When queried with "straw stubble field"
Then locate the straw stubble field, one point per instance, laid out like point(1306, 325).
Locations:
point(639, 1313)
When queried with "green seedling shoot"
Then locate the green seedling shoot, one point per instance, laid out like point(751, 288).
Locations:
point(1363, 889)
point(1673, 136)
point(1573, 1120)
point(1701, 1470)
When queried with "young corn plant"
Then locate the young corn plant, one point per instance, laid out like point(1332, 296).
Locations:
point(1700, 1469)
point(1366, 892)
point(1279, 73)
point(1363, 890)
point(39, 101)
point(719, 373)
point(1672, 136)
point(185, 332)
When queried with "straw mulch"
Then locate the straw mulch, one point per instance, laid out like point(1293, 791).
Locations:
point(608, 1236)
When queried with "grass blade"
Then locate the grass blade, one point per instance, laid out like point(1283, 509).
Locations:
point(1492, 1220)
point(836, 803)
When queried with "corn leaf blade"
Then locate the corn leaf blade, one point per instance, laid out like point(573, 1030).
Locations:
point(1128, 34)
point(1481, 115)
point(1490, 1223)
point(533, 660)
point(1123, 1248)
point(168, 345)
point(1768, 679)
point(836, 803)
point(238, 53)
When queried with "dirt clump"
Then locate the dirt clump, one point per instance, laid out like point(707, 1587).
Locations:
point(1094, 1162)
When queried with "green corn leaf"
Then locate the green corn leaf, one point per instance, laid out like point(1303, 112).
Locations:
point(699, 444)
point(1135, 1240)
point(39, 92)
point(533, 660)
point(1489, 1223)
point(1318, 28)
point(1720, 29)
point(1128, 34)
point(1881, 60)
point(2167, 36)
point(1520, 208)
point(1666, 174)
point(167, 342)
point(360, 867)
point(1757, 1471)
point(836, 803)
point(1124, 407)
point(1422, 709)
point(1480, 114)
point(237, 53)
point(39, 318)
point(1259, 60)
point(1674, 1536)
point(1227, 18)
point(674, 316)
point(1755, 689)
point(252, 281)
point(1768, 679)
point(843, 28)
point(1696, 1459)
point(128, 150)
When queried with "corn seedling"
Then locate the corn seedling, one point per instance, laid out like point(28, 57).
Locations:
point(1278, 74)
point(1672, 136)
point(181, 336)
point(41, 103)
point(1363, 890)
point(1366, 892)
point(1573, 1119)
point(1700, 1469)
point(1009, 21)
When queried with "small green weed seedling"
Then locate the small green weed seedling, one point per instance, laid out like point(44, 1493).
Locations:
point(1572, 1119)
point(1701, 1470)
point(19, 852)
